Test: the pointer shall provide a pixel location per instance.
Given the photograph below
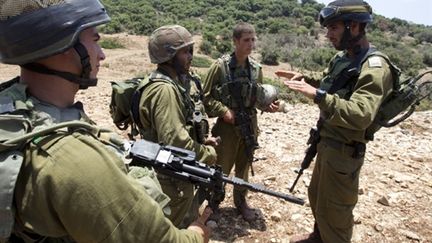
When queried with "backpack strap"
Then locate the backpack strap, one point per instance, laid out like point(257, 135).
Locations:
point(10, 165)
point(157, 76)
point(395, 70)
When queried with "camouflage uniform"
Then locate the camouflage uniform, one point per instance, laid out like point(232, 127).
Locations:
point(73, 185)
point(333, 190)
point(218, 99)
point(166, 112)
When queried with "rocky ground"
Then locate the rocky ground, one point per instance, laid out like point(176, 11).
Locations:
point(395, 181)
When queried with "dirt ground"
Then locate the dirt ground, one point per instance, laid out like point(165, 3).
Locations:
point(395, 181)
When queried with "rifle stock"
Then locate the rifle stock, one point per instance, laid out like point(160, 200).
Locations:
point(181, 164)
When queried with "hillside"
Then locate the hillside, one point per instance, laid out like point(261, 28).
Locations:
point(395, 182)
point(287, 29)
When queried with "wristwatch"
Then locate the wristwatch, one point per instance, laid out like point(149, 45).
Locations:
point(319, 96)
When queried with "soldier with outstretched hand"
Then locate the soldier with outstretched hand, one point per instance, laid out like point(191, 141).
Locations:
point(63, 179)
point(348, 94)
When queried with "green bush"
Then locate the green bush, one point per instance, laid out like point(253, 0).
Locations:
point(111, 43)
point(201, 62)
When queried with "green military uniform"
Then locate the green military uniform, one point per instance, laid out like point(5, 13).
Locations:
point(218, 99)
point(333, 190)
point(73, 183)
point(166, 113)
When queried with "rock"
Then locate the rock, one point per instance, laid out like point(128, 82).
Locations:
point(411, 235)
point(361, 191)
point(357, 219)
point(212, 224)
point(296, 216)
point(384, 201)
point(276, 216)
point(378, 228)
point(417, 158)
point(270, 178)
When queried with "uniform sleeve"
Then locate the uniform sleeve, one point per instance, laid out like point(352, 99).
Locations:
point(77, 188)
point(357, 113)
point(214, 108)
point(165, 115)
point(314, 78)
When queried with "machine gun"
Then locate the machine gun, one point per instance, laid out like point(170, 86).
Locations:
point(181, 164)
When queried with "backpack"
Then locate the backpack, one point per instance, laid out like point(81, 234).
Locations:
point(401, 102)
point(123, 95)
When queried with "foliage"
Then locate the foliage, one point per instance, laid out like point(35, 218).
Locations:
point(201, 62)
point(287, 29)
point(111, 43)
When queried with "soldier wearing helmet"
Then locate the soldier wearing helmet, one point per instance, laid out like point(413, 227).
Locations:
point(223, 100)
point(169, 109)
point(348, 95)
point(61, 177)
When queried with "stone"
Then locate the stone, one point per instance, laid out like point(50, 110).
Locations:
point(384, 201)
point(276, 216)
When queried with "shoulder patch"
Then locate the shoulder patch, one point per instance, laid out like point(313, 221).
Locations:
point(375, 62)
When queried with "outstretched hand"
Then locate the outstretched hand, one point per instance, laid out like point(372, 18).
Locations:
point(295, 81)
point(291, 75)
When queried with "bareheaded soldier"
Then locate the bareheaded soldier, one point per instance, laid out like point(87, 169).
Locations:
point(230, 90)
point(63, 179)
point(348, 95)
point(167, 112)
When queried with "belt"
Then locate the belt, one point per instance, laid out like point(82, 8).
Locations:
point(358, 148)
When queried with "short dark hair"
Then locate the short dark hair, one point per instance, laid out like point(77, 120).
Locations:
point(241, 28)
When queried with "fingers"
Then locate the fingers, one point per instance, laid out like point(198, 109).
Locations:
point(205, 215)
point(284, 74)
point(292, 75)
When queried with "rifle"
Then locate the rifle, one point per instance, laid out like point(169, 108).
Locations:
point(181, 164)
point(310, 154)
point(242, 118)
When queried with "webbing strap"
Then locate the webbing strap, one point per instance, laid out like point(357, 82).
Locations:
point(10, 164)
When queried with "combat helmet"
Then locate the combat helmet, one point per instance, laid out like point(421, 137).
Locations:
point(32, 29)
point(166, 41)
point(346, 10)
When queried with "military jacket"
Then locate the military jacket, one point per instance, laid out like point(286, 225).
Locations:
point(217, 95)
point(73, 184)
point(351, 110)
point(166, 113)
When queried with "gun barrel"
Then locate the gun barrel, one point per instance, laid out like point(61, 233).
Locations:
point(260, 188)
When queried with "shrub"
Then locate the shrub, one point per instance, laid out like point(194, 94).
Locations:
point(111, 43)
point(201, 62)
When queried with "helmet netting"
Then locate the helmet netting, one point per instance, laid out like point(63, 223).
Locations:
point(11, 8)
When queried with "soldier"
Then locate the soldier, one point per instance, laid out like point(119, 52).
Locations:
point(61, 178)
point(167, 112)
point(348, 102)
point(230, 94)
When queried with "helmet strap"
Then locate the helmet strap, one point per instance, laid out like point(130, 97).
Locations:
point(83, 80)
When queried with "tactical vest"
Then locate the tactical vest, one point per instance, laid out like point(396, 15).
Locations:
point(339, 65)
point(248, 78)
point(21, 124)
